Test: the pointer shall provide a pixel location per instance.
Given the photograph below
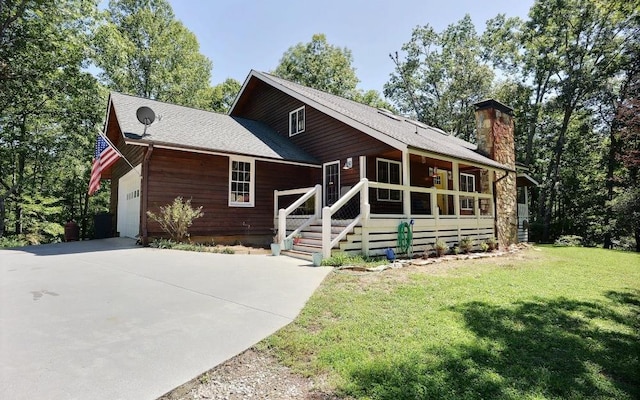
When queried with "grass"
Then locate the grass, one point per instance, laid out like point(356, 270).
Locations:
point(559, 323)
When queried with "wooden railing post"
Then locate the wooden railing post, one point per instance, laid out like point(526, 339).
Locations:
point(364, 200)
point(318, 203)
point(282, 226)
point(326, 232)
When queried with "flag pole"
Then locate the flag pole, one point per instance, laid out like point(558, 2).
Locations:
point(117, 151)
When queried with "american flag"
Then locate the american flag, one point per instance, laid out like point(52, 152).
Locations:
point(103, 158)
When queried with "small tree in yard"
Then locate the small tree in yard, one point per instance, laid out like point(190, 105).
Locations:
point(176, 218)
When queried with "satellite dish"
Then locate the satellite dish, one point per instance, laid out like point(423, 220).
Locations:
point(146, 116)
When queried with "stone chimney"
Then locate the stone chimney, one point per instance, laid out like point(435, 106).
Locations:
point(494, 123)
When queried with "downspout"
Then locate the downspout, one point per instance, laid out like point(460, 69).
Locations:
point(145, 198)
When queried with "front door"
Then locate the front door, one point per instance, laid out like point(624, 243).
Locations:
point(331, 182)
point(440, 182)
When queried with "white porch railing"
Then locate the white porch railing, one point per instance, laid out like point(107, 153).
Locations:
point(361, 188)
point(523, 211)
point(363, 215)
point(433, 196)
point(283, 213)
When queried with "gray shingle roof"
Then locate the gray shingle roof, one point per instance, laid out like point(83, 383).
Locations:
point(411, 133)
point(205, 130)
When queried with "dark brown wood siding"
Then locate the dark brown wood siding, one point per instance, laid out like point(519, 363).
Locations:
point(205, 180)
point(324, 137)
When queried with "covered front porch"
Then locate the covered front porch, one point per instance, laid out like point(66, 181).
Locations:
point(386, 199)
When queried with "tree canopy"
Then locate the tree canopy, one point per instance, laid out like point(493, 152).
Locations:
point(440, 77)
point(323, 66)
point(144, 50)
point(570, 70)
point(319, 65)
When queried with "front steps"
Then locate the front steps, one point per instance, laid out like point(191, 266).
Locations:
point(310, 241)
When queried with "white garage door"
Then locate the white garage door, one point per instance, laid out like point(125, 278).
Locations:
point(129, 204)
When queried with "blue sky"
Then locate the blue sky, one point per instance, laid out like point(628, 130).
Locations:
point(238, 35)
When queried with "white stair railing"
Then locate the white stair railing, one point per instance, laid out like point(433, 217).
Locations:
point(283, 213)
point(361, 188)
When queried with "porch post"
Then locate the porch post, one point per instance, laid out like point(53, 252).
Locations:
point(363, 167)
point(406, 182)
point(456, 186)
point(364, 215)
point(455, 171)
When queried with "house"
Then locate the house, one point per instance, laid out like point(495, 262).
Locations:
point(340, 175)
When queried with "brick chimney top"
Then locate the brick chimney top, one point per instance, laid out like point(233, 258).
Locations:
point(495, 104)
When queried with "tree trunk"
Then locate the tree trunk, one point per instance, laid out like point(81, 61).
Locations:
point(553, 172)
point(611, 166)
point(20, 175)
point(2, 216)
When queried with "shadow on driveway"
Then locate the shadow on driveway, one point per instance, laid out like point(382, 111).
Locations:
point(85, 246)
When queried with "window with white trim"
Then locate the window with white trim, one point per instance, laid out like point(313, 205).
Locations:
point(467, 184)
point(389, 171)
point(296, 121)
point(241, 182)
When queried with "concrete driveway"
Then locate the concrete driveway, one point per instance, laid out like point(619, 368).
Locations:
point(106, 319)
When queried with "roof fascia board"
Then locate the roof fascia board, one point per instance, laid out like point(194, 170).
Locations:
point(528, 177)
point(241, 92)
point(330, 112)
point(156, 145)
point(106, 117)
point(445, 157)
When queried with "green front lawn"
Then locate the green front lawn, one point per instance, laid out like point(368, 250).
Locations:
point(547, 324)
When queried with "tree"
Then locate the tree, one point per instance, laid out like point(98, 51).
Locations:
point(224, 94)
point(49, 110)
point(371, 98)
point(626, 133)
point(441, 77)
point(143, 50)
point(319, 65)
point(567, 51)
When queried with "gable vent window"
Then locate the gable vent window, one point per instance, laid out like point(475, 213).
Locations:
point(296, 121)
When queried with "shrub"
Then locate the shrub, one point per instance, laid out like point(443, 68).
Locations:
point(492, 243)
point(228, 250)
point(13, 241)
point(484, 247)
point(176, 218)
point(466, 244)
point(456, 250)
point(341, 259)
point(440, 246)
point(568, 241)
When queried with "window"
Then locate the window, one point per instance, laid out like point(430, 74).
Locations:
point(296, 121)
point(388, 172)
point(467, 184)
point(241, 182)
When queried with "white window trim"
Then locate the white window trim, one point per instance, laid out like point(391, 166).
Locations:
point(466, 203)
point(399, 164)
point(304, 121)
point(252, 183)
